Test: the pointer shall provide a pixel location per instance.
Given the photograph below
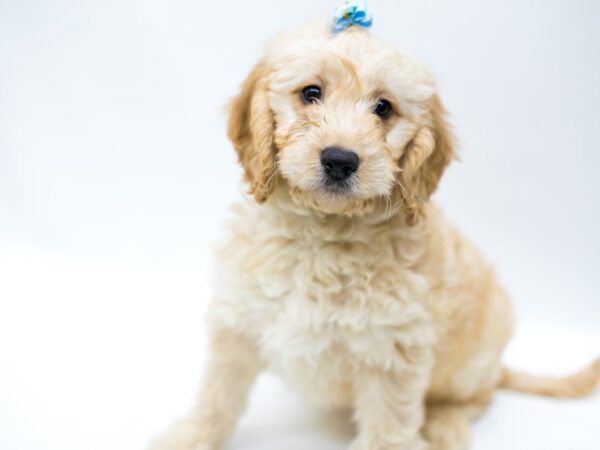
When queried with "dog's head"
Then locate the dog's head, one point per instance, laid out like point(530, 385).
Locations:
point(345, 123)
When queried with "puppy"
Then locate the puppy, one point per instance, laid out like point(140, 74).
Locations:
point(339, 273)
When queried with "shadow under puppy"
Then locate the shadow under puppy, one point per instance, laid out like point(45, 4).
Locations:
point(339, 273)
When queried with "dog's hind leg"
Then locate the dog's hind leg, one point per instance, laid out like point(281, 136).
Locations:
point(447, 425)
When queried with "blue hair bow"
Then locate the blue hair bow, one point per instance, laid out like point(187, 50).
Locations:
point(352, 12)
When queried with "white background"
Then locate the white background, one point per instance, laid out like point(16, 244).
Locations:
point(116, 176)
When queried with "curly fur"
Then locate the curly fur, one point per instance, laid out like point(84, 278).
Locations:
point(366, 299)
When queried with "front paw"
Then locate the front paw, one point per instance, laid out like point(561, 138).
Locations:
point(416, 444)
point(183, 435)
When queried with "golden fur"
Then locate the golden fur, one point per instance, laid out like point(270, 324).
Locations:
point(368, 298)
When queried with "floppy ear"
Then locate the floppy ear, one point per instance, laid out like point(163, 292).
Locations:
point(424, 161)
point(250, 128)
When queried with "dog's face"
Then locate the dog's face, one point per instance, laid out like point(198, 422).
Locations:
point(344, 122)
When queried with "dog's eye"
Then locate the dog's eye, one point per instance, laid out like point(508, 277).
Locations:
point(311, 94)
point(383, 108)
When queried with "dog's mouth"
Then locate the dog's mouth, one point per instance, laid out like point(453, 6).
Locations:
point(336, 186)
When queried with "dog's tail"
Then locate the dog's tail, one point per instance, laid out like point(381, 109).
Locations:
point(577, 385)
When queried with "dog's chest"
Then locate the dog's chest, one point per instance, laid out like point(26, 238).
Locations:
point(320, 309)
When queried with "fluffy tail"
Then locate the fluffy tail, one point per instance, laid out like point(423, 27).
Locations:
point(578, 385)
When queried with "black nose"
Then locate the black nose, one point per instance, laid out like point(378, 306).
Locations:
point(338, 163)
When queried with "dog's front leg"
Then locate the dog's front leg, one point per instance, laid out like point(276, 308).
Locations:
point(389, 405)
point(232, 368)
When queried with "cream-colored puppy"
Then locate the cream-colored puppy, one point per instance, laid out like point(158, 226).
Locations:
point(339, 273)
